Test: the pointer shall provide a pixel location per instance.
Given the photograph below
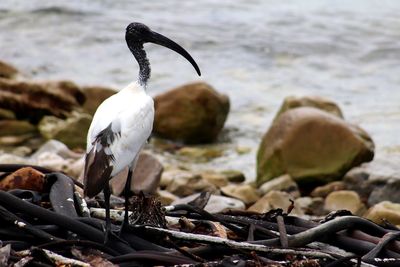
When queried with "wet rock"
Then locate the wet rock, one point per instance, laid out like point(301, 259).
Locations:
point(7, 71)
point(16, 127)
point(187, 185)
point(166, 198)
point(193, 113)
point(244, 192)
point(318, 102)
point(389, 191)
point(146, 176)
point(6, 114)
point(169, 175)
point(274, 200)
point(6, 158)
point(281, 183)
point(324, 190)
point(215, 204)
point(344, 200)
point(384, 210)
point(234, 176)
point(201, 153)
point(71, 131)
point(24, 178)
point(312, 146)
point(94, 96)
point(33, 100)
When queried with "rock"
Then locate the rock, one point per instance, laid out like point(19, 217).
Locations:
point(344, 200)
point(7, 71)
point(215, 204)
point(187, 185)
point(9, 141)
point(244, 192)
point(58, 148)
point(94, 96)
point(166, 198)
point(71, 131)
point(318, 102)
point(281, 183)
point(193, 113)
point(169, 175)
point(33, 100)
point(16, 127)
point(311, 206)
point(13, 159)
point(53, 161)
point(234, 176)
point(201, 154)
point(389, 191)
point(274, 200)
point(384, 210)
point(146, 176)
point(324, 190)
point(215, 178)
point(311, 146)
point(6, 114)
point(24, 178)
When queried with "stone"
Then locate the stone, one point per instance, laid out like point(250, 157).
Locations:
point(58, 148)
point(324, 190)
point(201, 154)
point(311, 205)
point(25, 178)
point(244, 192)
point(71, 131)
point(145, 178)
point(234, 176)
point(169, 175)
point(6, 158)
point(274, 200)
point(7, 71)
point(382, 211)
point(94, 96)
point(166, 198)
point(318, 102)
point(193, 113)
point(281, 183)
point(33, 100)
point(53, 161)
point(387, 192)
point(215, 203)
point(312, 146)
point(6, 114)
point(215, 178)
point(16, 127)
point(344, 200)
point(184, 186)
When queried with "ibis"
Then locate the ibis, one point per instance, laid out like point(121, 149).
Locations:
point(123, 123)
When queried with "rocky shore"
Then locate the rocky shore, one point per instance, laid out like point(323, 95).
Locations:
point(310, 161)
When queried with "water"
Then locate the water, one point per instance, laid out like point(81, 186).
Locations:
point(257, 52)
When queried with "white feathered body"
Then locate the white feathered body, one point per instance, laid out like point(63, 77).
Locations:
point(131, 113)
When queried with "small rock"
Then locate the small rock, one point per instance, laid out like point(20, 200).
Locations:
point(281, 183)
point(187, 185)
point(215, 178)
point(324, 190)
point(244, 192)
point(6, 114)
point(24, 178)
point(274, 200)
point(311, 206)
point(312, 146)
point(94, 96)
point(56, 147)
point(53, 161)
point(389, 191)
point(7, 71)
point(71, 131)
point(13, 159)
point(16, 127)
point(169, 175)
point(202, 154)
point(318, 102)
point(145, 178)
point(234, 176)
point(166, 198)
point(193, 113)
point(384, 210)
point(344, 200)
point(215, 204)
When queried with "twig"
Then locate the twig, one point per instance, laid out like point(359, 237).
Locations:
point(282, 231)
point(57, 259)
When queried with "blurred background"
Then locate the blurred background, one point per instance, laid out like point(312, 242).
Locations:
point(255, 51)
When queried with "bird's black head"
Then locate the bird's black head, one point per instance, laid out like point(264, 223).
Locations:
point(137, 34)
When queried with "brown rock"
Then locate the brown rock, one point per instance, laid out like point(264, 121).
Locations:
point(146, 176)
point(166, 198)
point(384, 210)
point(318, 102)
point(312, 146)
point(184, 186)
point(16, 127)
point(244, 192)
point(33, 100)
point(324, 190)
point(24, 178)
point(274, 200)
point(193, 113)
point(95, 95)
point(281, 183)
point(217, 179)
point(215, 203)
point(7, 71)
point(344, 200)
point(311, 206)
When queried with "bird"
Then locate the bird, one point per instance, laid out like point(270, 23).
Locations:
point(123, 123)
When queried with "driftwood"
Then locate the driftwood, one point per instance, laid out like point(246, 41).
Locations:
point(60, 227)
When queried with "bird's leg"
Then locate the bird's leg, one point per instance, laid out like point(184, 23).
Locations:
point(127, 191)
point(107, 193)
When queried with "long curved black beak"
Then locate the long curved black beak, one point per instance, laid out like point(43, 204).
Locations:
point(156, 38)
